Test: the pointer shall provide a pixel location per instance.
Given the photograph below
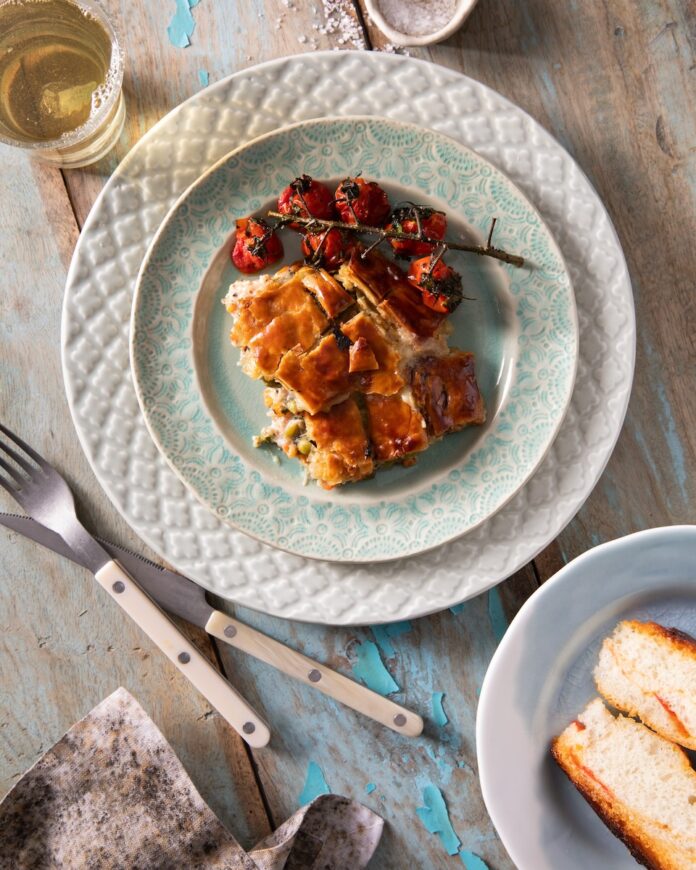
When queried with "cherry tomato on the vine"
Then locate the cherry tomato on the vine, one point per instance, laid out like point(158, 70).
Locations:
point(327, 248)
point(256, 246)
point(440, 285)
point(306, 197)
point(362, 202)
point(406, 219)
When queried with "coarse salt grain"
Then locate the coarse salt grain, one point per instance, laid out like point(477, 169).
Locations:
point(338, 19)
point(417, 17)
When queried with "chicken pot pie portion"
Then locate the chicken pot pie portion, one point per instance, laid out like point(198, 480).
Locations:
point(357, 368)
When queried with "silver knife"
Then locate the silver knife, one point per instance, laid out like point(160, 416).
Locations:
point(182, 597)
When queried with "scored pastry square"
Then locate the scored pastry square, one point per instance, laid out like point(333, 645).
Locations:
point(271, 317)
point(341, 447)
point(319, 378)
point(445, 389)
point(395, 427)
point(364, 331)
point(381, 283)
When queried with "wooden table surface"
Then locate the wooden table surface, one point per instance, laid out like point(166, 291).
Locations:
point(615, 83)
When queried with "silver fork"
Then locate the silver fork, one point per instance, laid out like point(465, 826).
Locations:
point(45, 496)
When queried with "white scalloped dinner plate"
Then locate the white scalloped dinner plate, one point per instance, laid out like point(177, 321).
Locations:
point(123, 223)
point(540, 679)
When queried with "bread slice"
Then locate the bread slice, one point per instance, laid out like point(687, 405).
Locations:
point(649, 671)
point(640, 785)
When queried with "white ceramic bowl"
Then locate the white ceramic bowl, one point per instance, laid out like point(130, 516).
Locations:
point(541, 677)
point(462, 11)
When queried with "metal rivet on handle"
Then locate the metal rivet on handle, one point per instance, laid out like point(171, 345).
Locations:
point(230, 631)
point(248, 727)
point(314, 675)
point(184, 658)
point(399, 719)
point(119, 587)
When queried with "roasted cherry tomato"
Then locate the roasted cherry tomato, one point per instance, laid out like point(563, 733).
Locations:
point(362, 202)
point(440, 285)
point(256, 246)
point(306, 197)
point(328, 248)
point(406, 219)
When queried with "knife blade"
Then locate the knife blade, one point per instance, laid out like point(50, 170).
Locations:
point(183, 597)
point(174, 592)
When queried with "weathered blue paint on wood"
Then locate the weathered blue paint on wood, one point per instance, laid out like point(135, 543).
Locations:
point(436, 819)
point(315, 784)
point(439, 715)
point(63, 645)
point(441, 653)
point(616, 85)
point(369, 669)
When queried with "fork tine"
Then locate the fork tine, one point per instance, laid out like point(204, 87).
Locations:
point(25, 447)
point(5, 484)
point(10, 470)
point(17, 458)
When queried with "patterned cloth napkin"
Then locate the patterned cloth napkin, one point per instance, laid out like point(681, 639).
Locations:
point(112, 794)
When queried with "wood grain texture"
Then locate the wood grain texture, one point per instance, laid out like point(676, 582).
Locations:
point(64, 645)
point(443, 653)
point(229, 36)
point(615, 84)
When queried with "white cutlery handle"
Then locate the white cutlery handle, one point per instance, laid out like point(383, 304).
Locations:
point(159, 628)
point(313, 674)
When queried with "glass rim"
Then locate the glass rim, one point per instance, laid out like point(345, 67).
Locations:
point(116, 68)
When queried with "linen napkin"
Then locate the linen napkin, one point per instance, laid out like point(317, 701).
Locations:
point(112, 794)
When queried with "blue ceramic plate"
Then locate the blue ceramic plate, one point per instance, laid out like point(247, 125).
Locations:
point(541, 677)
point(203, 411)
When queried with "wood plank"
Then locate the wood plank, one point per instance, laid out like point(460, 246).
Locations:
point(615, 85)
point(64, 645)
point(228, 37)
point(643, 164)
point(447, 652)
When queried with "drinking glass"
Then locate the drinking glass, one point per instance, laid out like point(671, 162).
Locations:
point(61, 75)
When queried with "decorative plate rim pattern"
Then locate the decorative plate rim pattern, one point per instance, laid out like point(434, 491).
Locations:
point(440, 509)
point(96, 318)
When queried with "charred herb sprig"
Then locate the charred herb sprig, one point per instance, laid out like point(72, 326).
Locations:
point(318, 224)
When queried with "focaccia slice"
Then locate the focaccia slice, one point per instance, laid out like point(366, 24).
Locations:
point(649, 671)
point(639, 784)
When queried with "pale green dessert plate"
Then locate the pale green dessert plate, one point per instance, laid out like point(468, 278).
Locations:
point(203, 412)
